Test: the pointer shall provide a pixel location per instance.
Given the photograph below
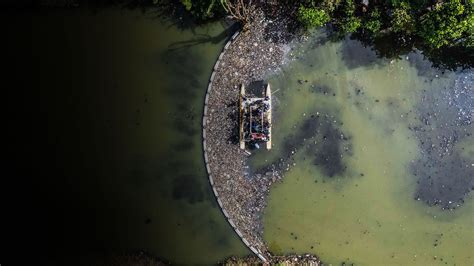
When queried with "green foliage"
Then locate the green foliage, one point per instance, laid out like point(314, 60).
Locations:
point(202, 9)
point(329, 5)
point(402, 21)
point(349, 22)
point(350, 25)
point(373, 23)
point(188, 4)
point(312, 17)
point(446, 24)
point(348, 7)
point(414, 3)
point(469, 42)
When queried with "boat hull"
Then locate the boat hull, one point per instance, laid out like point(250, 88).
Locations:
point(268, 93)
point(241, 117)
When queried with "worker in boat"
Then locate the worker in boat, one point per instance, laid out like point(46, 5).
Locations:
point(258, 136)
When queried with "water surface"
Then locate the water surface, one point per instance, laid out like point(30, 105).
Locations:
point(378, 158)
point(108, 107)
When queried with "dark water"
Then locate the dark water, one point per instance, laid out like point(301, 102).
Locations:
point(104, 136)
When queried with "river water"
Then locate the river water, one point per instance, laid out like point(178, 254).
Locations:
point(374, 149)
point(378, 158)
point(116, 102)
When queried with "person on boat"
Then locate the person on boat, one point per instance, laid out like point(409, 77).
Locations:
point(258, 136)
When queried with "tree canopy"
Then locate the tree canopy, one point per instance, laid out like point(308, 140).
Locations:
point(443, 24)
point(402, 20)
point(312, 17)
point(447, 24)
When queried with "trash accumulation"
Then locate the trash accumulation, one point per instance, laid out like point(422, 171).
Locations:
point(250, 57)
point(288, 260)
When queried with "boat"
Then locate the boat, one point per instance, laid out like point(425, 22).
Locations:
point(255, 116)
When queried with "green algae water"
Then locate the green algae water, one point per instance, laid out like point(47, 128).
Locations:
point(377, 156)
point(117, 104)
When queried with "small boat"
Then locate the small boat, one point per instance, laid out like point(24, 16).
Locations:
point(256, 116)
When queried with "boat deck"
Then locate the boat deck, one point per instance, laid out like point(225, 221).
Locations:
point(255, 118)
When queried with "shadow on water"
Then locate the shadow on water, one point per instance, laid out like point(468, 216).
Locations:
point(188, 188)
point(358, 54)
point(328, 153)
point(116, 151)
point(447, 59)
point(187, 183)
point(452, 58)
point(170, 12)
point(323, 143)
point(205, 38)
point(390, 46)
point(393, 46)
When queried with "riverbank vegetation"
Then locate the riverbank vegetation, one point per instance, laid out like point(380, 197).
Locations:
point(436, 24)
point(431, 25)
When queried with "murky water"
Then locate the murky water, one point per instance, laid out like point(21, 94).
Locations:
point(116, 104)
point(378, 158)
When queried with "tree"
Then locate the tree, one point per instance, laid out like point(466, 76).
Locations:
point(200, 9)
point(402, 20)
point(350, 25)
point(241, 10)
point(469, 41)
point(373, 23)
point(188, 4)
point(329, 5)
point(446, 25)
point(312, 17)
point(349, 22)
